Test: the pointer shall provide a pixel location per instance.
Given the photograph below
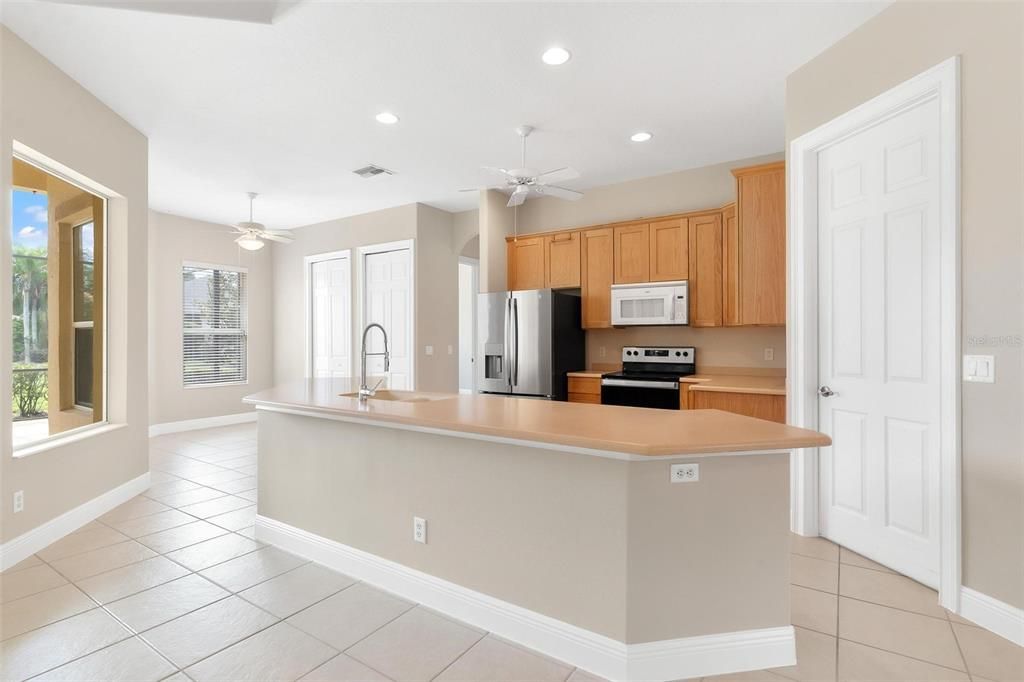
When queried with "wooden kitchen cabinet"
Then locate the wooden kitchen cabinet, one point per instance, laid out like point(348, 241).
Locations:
point(585, 390)
point(526, 263)
point(705, 287)
point(670, 248)
point(760, 405)
point(597, 249)
point(562, 259)
point(632, 253)
point(730, 267)
point(760, 250)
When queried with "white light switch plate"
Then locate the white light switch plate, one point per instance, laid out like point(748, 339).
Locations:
point(980, 368)
point(430, 350)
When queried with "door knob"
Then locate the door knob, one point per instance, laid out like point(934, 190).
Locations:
point(826, 392)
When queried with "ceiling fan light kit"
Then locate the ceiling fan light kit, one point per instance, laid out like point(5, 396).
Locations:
point(252, 236)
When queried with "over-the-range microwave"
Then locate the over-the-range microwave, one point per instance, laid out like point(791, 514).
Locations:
point(653, 303)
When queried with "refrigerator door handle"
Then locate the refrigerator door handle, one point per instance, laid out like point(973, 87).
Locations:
point(515, 363)
point(506, 355)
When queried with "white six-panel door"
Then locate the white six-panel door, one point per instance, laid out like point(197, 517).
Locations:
point(879, 258)
point(331, 284)
point(387, 287)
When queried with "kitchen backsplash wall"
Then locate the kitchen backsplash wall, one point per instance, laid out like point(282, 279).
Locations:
point(716, 346)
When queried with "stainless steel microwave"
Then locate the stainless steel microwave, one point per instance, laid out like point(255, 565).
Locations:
point(652, 303)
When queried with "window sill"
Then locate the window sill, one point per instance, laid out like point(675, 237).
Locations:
point(189, 387)
point(67, 438)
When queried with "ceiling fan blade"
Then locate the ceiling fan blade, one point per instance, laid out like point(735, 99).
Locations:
point(279, 233)
point(558, 192)
point(518, 196)
point(500, 171)
point(284, 239)
point(558, 175)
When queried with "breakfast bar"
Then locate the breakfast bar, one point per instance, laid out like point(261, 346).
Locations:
point(637, 544)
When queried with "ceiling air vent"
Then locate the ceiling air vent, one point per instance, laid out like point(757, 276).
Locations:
point(371, 170)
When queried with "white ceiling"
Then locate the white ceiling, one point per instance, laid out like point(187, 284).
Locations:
point(287, 109)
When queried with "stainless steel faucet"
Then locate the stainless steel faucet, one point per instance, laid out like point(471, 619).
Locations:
point(364, 391)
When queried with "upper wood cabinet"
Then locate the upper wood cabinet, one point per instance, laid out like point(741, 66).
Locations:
point(597, 250)
point(632, 254)
point(669, 241)
point(730, 267)
point(526, 263)
point(761, 243)
point(705, 285)
point(562, 254)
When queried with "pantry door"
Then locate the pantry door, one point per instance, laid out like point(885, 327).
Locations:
point(388, 301)
point(330, 282)
point(879, 341)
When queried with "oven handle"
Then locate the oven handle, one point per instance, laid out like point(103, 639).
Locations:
point(636, 383)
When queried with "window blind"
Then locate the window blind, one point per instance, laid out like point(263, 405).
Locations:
point(214, 317)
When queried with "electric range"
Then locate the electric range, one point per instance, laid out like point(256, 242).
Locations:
point(649, 376)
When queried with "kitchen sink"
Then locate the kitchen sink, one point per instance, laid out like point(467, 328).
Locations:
point(401, 396)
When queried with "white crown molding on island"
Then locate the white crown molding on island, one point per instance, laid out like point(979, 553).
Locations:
point(650, 661)
point(44, 535)
point(202, 423)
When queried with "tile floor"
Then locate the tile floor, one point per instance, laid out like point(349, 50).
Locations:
point(172, 585)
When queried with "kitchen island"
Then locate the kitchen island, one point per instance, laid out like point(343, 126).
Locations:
point(560, 526)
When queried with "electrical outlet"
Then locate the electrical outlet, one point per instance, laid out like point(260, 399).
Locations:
point(685, 473)
point(419, 530)
point(769, 354)
point(430, 350)
point(19, 501)
point(601, 351)
point(451, 349)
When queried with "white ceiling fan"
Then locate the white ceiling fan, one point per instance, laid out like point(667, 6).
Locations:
point(251, 235)
point(527, 182)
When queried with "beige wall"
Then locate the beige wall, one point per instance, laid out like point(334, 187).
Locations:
point(173, 240)
point(716, 346)
point(466, 233)
point(899, 43)
point(45, 110)
point(437, 301)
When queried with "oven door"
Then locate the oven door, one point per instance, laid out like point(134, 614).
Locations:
point(640, 393)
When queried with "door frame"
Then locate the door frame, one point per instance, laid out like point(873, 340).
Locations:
point(360, 275)
point(475, 264)
point(307, 268)
point(941, 82)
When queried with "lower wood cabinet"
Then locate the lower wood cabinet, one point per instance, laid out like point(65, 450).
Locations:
point(760, 405)
point(585, 390)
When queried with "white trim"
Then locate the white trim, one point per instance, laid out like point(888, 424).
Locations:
point(993, 615)
point(598, 654)
point(214, 266)
point(360, 295)
point(201, 423)
point(942, 83)
point(64, 438)
point(44, 535)
point(539, 444)
point(307, 279)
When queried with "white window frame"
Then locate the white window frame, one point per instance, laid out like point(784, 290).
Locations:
point(307, 269)
point(243, 332)
point(363, 252)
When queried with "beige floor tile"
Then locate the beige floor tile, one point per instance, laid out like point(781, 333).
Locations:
point(341, 668)
point(583, 676)
point(154, 523)
point(132, 509)
point(56, 644)
point(237, 485)
point(28, 613)
point(79, 543)
point(415, 646)
point(248, 570)
point(281, 652)
point(97, 561)
point(211, 552)
point(293, 591)
point(92, 525)
point(350, 615)
point(194, 496)
point(901, 632)
point(23, 564)
point(958, 619)
point(989, 655)
point(751, 676)
point(127, 580)
point(251, 495)
point(181, 536)
point(248, 471)
point(128, 660)
point(236, 520)
point(815, 658)
point(495, 660)
point(158, 477)
point(161, 491)
point(248, 531)
point(204, 632)
point(238, 462)
point(165, 602)
point(190, 448)
point(817, 548)
point(859, 663)
point(218, 477)
point(889, 589)
point(220, 505)
point(37, 578)
point(853, 559)
point(814, 573)
point(814, 609)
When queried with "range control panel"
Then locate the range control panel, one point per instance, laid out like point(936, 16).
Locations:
point(659, 354)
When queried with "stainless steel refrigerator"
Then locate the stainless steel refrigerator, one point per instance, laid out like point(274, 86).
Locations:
point(528, 340)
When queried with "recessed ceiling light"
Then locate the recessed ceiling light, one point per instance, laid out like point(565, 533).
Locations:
point(556, 56)
point(641, 137)
point(387, 118)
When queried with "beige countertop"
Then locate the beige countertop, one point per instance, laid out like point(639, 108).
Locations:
point(724, 383)
point(607, 428)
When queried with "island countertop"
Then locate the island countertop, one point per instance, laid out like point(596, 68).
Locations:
point(631, 431)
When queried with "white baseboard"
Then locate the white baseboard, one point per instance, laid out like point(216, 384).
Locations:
point(598, 654)
point(40, 537)
point(993, 615)
point(202, 423)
